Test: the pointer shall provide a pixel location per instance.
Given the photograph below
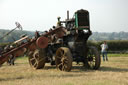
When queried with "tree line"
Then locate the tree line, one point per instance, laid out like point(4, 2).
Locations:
point(96, 36)
point(117, 41)
point(13, 36)
point(99, 36)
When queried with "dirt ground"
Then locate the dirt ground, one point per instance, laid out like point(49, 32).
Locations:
point(113, 72)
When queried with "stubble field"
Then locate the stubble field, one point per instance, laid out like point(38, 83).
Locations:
point(113, 72)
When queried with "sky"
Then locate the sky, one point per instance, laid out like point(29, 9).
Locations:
point(41, 15)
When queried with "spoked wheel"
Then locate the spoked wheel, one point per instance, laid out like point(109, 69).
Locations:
point(93, 59)
point(63, 59)
point(37, 59)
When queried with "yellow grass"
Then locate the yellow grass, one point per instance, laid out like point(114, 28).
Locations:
point(113, 72)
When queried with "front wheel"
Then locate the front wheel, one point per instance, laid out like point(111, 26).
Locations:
point(37, 59)
point(92, 60)
point(63, 59)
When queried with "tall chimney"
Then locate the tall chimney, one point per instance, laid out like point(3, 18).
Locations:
point(67, 15)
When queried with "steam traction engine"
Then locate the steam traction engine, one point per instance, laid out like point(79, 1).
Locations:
point(61, 45)
point(67, 45)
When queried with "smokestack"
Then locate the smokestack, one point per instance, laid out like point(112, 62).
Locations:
point(67, 15)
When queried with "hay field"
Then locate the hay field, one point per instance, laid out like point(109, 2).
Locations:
point(113, 72)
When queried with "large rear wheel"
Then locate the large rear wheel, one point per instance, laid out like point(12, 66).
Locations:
point(92, 60)
point(63, 59)
point(37, 59)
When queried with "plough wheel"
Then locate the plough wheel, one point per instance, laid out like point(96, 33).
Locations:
point(93, 60)
point(37, 59)
point(63, 59)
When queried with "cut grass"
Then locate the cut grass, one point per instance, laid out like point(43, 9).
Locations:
point(113, 72)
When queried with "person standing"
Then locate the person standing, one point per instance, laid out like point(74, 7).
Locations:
point(104, 48)
point(59, 22)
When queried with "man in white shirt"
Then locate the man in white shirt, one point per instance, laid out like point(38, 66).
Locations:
point(104, 48)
